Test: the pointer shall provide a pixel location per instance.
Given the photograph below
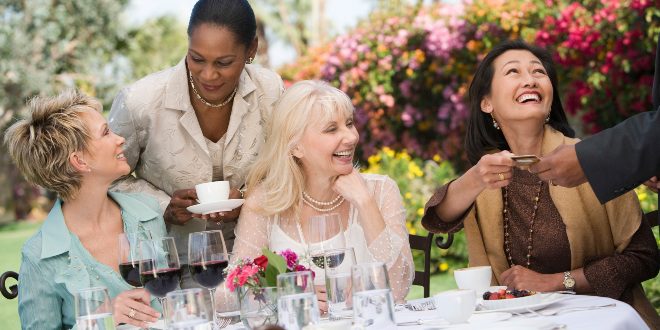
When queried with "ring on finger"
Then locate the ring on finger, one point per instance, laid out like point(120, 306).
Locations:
point(501, 176)
point(131, 313)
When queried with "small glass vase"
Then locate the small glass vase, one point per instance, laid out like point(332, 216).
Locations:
point(258, 306)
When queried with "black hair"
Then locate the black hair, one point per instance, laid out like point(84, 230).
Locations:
point(481, 136)
point(236, 15)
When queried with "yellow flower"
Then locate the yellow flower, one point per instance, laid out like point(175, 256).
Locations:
point(642, 196)
point(443, 267)
point(409, 72)
point(408, 195)
point(420, 211)
point(381, 48)
point(389, 152)
point(374, 159)
point(412, 231)
point(437, 158)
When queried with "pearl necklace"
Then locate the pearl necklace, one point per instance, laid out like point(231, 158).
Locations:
point(505, 212)
point(337, 201)
point(309, 198)
point(219, 105)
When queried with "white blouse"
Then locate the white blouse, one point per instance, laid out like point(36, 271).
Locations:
point(391, 246)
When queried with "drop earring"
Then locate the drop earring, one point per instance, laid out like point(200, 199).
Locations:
point(495, 124)
point(547, 119)
point(249, 60)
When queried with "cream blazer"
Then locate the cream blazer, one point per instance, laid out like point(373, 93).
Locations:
point(165, 146)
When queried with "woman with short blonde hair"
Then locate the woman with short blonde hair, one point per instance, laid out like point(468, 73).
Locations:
point(306, 169)
point(64, 145)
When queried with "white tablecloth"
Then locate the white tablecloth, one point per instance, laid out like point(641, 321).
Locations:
point(622, 316)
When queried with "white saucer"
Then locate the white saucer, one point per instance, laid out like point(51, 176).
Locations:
point(221, 206)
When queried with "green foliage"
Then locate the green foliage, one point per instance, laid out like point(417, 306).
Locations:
point(155, 45)
point(417, 181)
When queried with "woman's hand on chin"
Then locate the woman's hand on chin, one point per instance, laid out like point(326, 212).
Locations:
point(493, 170)
point(353, 187)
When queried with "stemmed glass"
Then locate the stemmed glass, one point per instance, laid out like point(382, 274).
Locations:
point(208, 258)
point(324, 232)
point(129, 265)
point(160, 270)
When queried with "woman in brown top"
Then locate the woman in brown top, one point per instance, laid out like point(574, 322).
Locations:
point(534, 235)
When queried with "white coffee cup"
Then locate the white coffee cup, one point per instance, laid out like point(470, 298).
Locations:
point(455, 306)
point(474, 278)
point(210, 192)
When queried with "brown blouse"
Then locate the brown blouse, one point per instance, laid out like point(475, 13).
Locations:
point(608, 276)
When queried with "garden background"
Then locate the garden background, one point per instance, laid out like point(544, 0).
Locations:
point(406, 67)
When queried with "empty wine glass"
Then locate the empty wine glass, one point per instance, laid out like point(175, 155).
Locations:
point(129, 265)
point(187, 310)
point(207, 260)
point(324, 232)
point(160, 270)
point(93, 309)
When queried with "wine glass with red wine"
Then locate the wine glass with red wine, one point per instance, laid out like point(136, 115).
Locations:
point(160, 270)
point(129, 265)
point(207, 260)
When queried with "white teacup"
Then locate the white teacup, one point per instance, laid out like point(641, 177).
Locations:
point(455, 306)
point(211, 192)
point(474, 278)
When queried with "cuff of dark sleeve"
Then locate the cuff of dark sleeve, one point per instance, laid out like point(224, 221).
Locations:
point(432, 222)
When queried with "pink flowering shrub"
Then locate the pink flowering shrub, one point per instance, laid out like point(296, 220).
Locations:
point(408, 73)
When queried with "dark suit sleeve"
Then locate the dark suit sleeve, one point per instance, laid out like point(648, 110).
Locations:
point(656, 78)
point(619, 159)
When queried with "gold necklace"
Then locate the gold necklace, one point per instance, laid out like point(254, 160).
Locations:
point(506, 212)
point(219, 105)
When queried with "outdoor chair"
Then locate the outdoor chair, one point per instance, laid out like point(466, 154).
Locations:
point(13, 290)
point(424, 244)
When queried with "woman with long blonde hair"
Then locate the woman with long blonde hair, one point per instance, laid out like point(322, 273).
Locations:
point(305, 170)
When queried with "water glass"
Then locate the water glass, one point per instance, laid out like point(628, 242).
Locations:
point(338, 264)
point(297, 306)
point(227, 307)
point(373, 304)
point(187, 310)
point(93, 309)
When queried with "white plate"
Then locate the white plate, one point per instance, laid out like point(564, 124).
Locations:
point(488, 318)
point(521, 304)
point(221, 206)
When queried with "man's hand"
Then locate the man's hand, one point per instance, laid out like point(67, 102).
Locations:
point(560, 167)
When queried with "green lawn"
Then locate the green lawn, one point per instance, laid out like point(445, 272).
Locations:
point(11, 239)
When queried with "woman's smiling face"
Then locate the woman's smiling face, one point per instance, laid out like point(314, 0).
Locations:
point(328, 145)
point(521, 89)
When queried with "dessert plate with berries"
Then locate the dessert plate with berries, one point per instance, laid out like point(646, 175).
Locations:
point(516, 301)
